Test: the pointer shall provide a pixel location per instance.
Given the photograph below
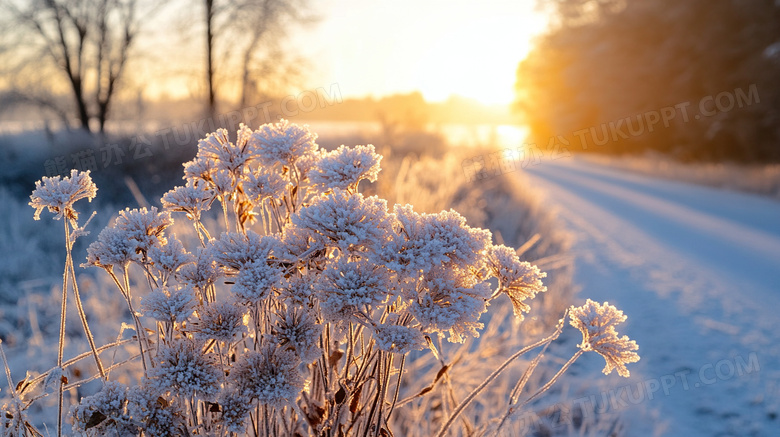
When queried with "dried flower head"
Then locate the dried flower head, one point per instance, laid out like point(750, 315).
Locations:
point(112, 248)
point(297, 331)
point(345, 167)
point(221, 321)
point(349, 289)
point(105, 413)
point(262, 184)
point(449, 300)
point(202, 273)
point(518, 279)
point(308, 162)
point(168, 258)
point(183, 368)
point(270, 376)
point(192, 199)
point(255, 281)
point(282, 143)
point(425, 241)
point(145, 226)
point(169, 304)
point(399, 339)
point(58, 194)
point(200, 172)
point(235, 410)
point(350, 222)
point(298, 290)
point(236, 250)
point(597, 324)
point(156, 413)
point(218, 149)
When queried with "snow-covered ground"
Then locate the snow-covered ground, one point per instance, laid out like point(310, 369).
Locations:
point(697, 271)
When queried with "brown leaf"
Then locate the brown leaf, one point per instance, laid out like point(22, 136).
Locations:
point(334, 358)
point(340, 395)
point(95, 419)
point(353, 406)
point(314, 417)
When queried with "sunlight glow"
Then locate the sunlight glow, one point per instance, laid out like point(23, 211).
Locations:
point(478, 60)
point(466, 48)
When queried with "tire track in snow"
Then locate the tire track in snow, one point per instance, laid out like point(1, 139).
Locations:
point(699, 281)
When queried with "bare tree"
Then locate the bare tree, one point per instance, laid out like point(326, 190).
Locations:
point(253, 29)
point(86, 43)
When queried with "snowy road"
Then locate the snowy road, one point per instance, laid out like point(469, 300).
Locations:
point(697, 271)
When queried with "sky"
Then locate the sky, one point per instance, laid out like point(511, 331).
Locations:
point(468, 48)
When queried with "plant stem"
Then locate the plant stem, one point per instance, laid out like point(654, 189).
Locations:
point(495, 375)
point(61, 345)
point(80, 307)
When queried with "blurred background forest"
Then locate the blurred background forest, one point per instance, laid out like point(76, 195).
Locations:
point(604, 61)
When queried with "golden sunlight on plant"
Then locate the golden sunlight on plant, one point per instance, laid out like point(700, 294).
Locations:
point(300, 318)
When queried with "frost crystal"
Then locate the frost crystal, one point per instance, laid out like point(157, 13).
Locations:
point(145, 226)
point(297, 331)
point(349, 289)
point(58, 194)
point(519, 280)
point(261, 185)
point(221, 321)
point(191, 199)
point(450, 302)
point(425, 241)
point(349, 222)
point(345, 167)
point(282, 143)
point(399, 339)
point(183, 369)
point(597, 324)
point(112, 248)
point(271, 376)
point(169, 305)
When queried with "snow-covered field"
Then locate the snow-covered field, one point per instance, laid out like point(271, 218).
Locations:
point(697, 270)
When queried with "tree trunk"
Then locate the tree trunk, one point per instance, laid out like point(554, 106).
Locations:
point(212, 108)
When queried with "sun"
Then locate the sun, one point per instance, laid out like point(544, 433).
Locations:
point(477, 59)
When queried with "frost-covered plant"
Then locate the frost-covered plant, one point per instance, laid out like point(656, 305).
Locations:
point(597, 324)
point(299, 317)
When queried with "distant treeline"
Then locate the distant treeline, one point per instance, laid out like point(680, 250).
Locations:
point(697, 79)
point(410, 111)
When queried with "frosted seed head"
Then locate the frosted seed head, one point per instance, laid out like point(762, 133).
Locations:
point(221, 321)
point(518, 279)
point(597, 324)
point(282, 143)
point(169, 304)
point(297, 331)
point(113, 247)
point(345, 167)
point(58, 194)
point(184, 369)
point(271, 376)
point(192, 199)
point(398, 339)
point(146, 227)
